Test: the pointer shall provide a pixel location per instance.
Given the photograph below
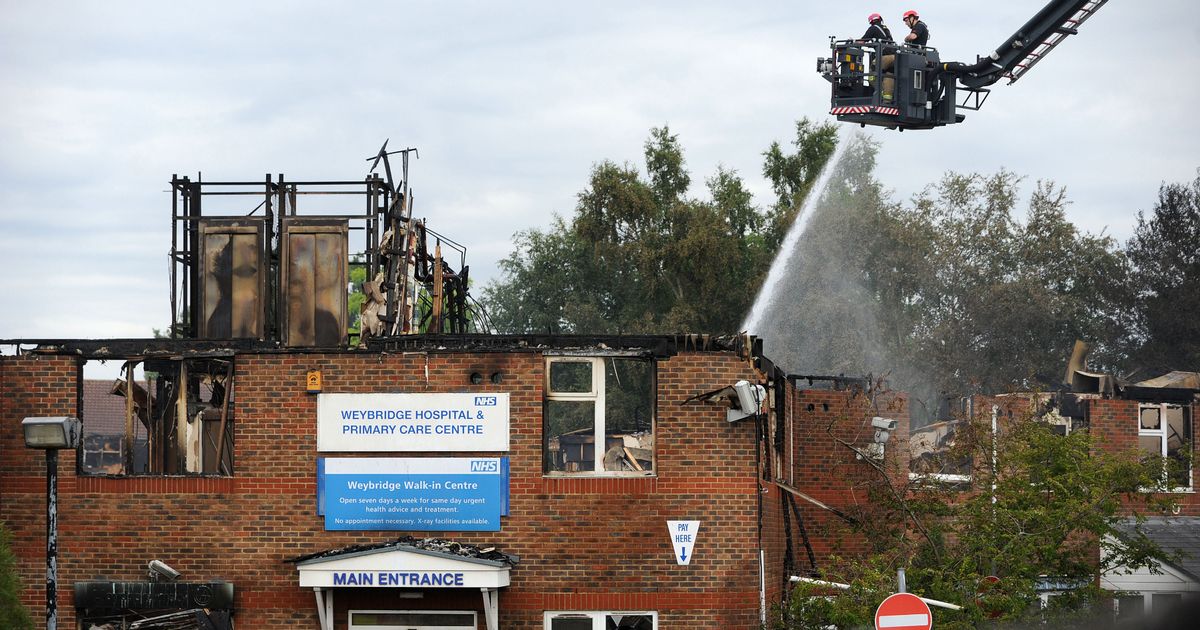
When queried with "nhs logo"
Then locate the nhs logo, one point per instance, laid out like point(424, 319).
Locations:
point(485, 465)
point(486, 401)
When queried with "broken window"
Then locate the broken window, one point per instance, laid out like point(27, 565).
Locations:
point(158, 417)
point(600, 621)
point(934, 454)
point(1165, 431)
point(599, 400)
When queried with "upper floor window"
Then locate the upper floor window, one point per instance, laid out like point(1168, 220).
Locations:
point(1165, 430)
point(160, 417)
point(599, 400)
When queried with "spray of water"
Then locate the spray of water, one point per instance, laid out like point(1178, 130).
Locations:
point(767, 294)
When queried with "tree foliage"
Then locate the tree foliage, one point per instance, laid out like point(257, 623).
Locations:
point(640, 254)
point(979, 283)
point(954, 292)
point(12, 613)
point(1003, 300)
point(1165, 255)
point(1034, 513)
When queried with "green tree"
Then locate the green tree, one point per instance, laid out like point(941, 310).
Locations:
point(640, 254)
point(358, 275)
point(951, 293)
point(792, 175)
point(1036, 508)
point(12, 613)
point(1165, 255)
point(1004, 300)
point(823, 317)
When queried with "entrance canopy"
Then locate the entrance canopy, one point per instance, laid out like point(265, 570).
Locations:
point(408, 563)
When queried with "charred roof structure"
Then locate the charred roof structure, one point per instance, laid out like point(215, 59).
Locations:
point(248, 263)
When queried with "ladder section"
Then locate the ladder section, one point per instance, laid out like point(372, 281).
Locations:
point(1068, 27)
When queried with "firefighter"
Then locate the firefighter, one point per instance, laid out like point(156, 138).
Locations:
point(920, 32)
point(877, 31)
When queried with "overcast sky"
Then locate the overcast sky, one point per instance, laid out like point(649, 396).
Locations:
point(510, 105)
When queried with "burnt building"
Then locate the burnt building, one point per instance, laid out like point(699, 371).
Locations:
point(292, 456)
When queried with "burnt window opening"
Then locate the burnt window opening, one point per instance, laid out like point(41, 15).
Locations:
point(589, 400)
point(1165, 431)
point(158, 417)
point(933, 452)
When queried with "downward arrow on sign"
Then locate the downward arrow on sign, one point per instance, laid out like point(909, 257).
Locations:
point(683, 537)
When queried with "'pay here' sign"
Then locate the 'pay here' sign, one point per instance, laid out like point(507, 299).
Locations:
point(683, 537)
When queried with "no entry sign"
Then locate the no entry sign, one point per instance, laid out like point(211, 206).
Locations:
point(903, 611)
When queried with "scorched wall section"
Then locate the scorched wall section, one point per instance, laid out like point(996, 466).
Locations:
point(584, 542)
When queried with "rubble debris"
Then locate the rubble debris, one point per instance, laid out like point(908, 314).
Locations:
point(436, 545)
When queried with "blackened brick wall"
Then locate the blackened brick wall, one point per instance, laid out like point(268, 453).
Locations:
point(584, 544)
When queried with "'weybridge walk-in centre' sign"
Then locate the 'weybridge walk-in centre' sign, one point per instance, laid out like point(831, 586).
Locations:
point(413, 493)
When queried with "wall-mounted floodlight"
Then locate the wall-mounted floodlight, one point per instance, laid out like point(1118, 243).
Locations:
point(743, 399)
point(52, 432)
point(747, 400)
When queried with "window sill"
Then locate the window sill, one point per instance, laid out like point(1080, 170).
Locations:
point(598, 475)
point(156, 484)
point(1167, 490)
point(600, 484)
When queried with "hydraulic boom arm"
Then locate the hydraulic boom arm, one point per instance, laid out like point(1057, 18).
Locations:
point(1028, 45)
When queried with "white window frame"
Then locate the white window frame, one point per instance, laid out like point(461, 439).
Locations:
point(598, 617)
point(1161, 434)
point(599, 428)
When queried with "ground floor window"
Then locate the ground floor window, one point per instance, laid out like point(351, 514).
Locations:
point(1133, 608)
point(601, 620)
point(411, 620)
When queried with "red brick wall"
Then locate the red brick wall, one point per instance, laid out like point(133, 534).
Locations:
point(584, 544)
point(33, 386)
point(1114, 426)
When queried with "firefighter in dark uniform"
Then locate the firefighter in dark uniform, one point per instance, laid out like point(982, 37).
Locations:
point(920, 32)
point(877, 31)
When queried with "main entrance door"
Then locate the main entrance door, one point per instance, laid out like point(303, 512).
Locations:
point(411, 620)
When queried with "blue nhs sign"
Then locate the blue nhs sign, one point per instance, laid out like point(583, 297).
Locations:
point(413, 494)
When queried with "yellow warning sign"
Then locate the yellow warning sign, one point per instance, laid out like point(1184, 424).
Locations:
point(314, 380)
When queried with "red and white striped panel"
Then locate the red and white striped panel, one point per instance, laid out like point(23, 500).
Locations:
point(865, 109)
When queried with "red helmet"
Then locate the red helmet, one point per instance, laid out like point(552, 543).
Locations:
point(873, 17)
point(908, 14)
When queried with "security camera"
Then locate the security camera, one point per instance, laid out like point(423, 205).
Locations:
point(883, 429)
point(158, 569)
